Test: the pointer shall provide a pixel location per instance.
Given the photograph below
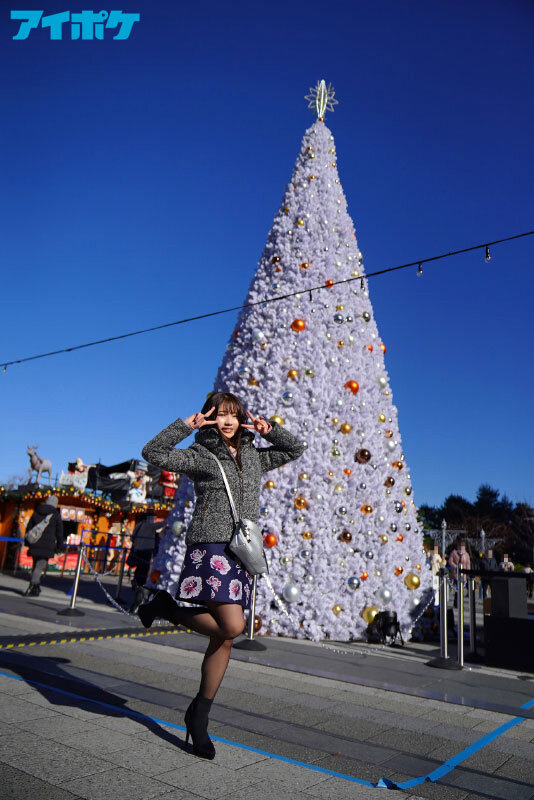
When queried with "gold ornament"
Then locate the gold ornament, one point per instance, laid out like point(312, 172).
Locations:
point(383, 538)
point(369, 613)
point(340, 343)
point(381, 418)
point(337, 609)
point(279, 420)
point(269, 484)
point(411, 581)
point(340, 308)
point(263, 345)
point(398, 570)
point(311, 177)
point(293, 374)
point(345, 428)
point(253, 382)
point(298, 325)
point(388, 434)
point(338, 488)
point(306, 534)
point(303, 476)
point(366, 509)
point(335, 420)
point(300, 502)
point(304, 265)
point(300, 222)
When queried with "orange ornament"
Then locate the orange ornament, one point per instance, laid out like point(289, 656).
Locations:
point(366, 509)
point(329, 282)
point(298, 325)
point(364, 576)
point(300, 502)
point(304, 265)
point(398, 570)
point(275, 259)
point(418, 566)
point(270, 540)
point(353, 386)
point(400, 538)
point(347, 471)
point(383, 348)
point(370, 348)
point(397, 465)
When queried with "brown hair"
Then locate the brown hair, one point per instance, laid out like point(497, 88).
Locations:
point(235, 406)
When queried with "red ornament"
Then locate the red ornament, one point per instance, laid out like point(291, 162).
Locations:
point(383, 348)
point(364, 576)
point(353, 386)
point(347, 471)
point(329, 282)
point(370, 348)
point(298, 325)
point(270, 540)
point(400, 538)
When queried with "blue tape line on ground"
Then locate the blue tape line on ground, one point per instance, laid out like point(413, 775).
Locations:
point(446, 767)
point(453, 762)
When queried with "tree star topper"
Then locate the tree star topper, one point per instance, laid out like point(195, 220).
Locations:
point(322, 98)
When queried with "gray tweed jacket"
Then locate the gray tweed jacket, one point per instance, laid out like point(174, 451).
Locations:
point(212, 518)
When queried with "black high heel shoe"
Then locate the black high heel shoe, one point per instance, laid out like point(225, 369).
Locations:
point(161, 605)
point(196, 723)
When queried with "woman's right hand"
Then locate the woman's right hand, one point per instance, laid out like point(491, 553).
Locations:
point(198, 420)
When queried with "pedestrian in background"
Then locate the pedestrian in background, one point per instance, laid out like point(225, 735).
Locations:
point(145, 540)
point(47, 539)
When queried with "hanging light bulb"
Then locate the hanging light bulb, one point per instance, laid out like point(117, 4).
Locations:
point(419, 270)
point(488, 255)
point(361, 283)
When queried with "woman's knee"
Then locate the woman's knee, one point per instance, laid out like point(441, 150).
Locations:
point(232, 629)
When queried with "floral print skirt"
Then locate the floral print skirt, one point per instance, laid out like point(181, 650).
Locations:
point(212, 573)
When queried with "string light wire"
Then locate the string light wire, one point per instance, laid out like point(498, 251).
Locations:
point(419, 262)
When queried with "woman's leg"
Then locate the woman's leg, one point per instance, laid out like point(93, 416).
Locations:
point(231, 622)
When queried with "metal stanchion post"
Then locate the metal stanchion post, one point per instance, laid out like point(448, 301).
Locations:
point(250, 643)
point(472, 616)
point(121, 576)
point(72, 611)
point(443, 661)
point(460, 626)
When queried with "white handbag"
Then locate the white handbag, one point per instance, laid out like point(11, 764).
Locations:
point(247, 542)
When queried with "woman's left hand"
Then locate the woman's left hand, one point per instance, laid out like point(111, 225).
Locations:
point(259, 424)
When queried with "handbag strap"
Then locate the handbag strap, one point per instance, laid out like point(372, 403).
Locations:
point(227, 486)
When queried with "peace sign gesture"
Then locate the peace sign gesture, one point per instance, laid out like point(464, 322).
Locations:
point(198, 420)
point(259, 424)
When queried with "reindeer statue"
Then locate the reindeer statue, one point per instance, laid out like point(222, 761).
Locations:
point(38, 464)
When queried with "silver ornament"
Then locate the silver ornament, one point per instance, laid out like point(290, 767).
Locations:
point(385, 595)
point(339, 318)
point(398, 507)
point(291, 592)
point(305, 554)
point(285, 560)
point(369, 554)
point(341, 511)
point(287, 398)
point(393, 527)
point(177, 527)
point(258, 335)
point(353, 583)
point(264, 511)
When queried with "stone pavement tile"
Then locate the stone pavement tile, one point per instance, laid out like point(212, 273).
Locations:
point(413, 766)
point(287, 712)
point(437, 791)
point(235, 757)
point(12, 686)
point(291, 775)
point(66, 764)
point(7, 728)
point(117, 783)
point(418, 743)
point(95, 739)
point(209, 780)
point(269, 745)
point(17, 785)
point(462, 736)
point(23, 743)
point(515, 747)
point(355, 767)
point(340, 789)
point(517, 768)
point(355, 728)
point(14, 709)
point(451, 718)
point(270, 790)
point(59, 727)
point(487, 760)
point(149, 758)
point(230, 716)
point(495, 787)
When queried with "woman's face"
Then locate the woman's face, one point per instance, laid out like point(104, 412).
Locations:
point(227, 422)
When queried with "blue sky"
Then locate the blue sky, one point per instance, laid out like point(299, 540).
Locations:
point(141, 177)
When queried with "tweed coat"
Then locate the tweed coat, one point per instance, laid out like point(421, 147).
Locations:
point(212, 518)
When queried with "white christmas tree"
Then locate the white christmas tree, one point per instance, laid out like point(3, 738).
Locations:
point(343, 541)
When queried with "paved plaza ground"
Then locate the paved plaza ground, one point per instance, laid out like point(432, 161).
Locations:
point(101, 717)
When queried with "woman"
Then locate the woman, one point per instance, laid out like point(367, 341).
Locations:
point(211, 575)
point(50, 541)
